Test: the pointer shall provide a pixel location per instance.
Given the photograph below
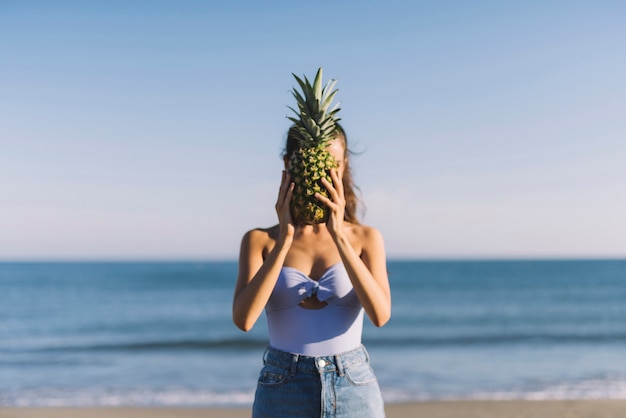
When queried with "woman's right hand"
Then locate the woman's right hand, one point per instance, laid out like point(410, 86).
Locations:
point(258, 271)
point(286, 226)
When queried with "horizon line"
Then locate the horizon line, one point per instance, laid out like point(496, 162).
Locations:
point(389, 259)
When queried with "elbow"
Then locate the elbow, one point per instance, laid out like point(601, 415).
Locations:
point(382, 314)
point(244, 327)
point(241, 318)
point(381, 318)
point(242, 323)
point(382, 321)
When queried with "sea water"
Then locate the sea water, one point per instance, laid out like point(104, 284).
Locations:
point(161, 334)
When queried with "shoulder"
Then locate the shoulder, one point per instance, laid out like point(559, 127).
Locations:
point(364, 233)
point(260, 239)
point(367, 238)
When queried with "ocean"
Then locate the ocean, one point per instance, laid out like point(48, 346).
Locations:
point(160, 333)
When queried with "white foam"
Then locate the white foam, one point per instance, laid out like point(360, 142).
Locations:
point(592, 388)
point(598, 388)
point(121, 397)
point(605, 387)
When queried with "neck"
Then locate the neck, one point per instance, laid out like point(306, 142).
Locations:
point(311, 229)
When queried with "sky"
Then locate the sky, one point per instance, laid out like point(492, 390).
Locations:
point(154, 130)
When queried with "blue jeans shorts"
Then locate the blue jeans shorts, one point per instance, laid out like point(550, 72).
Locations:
point(339, 386)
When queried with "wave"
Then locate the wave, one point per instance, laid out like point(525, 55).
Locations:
point(167, 345)
point(90, 397)
point(594, 388)
point(495, 339)
point(382, 342)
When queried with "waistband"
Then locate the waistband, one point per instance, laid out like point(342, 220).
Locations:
point(307, 364)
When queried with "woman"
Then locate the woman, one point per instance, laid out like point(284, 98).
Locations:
point(315, 281)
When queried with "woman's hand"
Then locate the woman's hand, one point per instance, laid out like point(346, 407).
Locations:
point(283, 211)
point(336, 203)
point(367, 269)
point(258, 271)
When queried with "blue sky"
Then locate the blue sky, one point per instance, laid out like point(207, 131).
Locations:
point(153, 130)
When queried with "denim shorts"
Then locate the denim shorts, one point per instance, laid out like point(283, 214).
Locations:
point(341, 386)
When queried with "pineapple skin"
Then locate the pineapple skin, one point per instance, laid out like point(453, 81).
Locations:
point(315, 125)
point(307, 167)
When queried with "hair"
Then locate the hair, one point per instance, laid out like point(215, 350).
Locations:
point(294, 138)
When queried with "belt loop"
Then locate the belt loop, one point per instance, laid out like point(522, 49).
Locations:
point(267, 349)
point(339, 364)
point(367, 355)
point(294, 364)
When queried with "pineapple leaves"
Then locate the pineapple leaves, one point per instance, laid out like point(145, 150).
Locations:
point(314, 120)
point(317, 84)
point(328, 100)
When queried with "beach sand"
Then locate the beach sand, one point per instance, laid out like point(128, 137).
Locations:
point(459, 409)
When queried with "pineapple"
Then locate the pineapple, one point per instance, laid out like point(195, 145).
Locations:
point(316, 124)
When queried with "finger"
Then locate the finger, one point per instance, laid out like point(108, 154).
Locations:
point(289, 193)
point(325, 200)
point(286, 206)
point(286, 192)
point(334, 174)
point(331, 190)
point(282, 191)
point(284, 185)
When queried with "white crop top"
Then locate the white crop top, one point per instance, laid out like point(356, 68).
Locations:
point(332, 329)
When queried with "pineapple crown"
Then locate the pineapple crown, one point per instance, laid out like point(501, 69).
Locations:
point(315, 120)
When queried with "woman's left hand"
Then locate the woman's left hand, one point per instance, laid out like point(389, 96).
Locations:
point(336, 203)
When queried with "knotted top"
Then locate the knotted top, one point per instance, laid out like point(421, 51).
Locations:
point(294, 286)
point(331, 329)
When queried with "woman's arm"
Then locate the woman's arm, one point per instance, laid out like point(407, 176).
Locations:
point(256, 278)
point(368, 270)
point(368, 274)
point(258, 274)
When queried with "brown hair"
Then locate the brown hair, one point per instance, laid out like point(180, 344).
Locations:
point(352, 201)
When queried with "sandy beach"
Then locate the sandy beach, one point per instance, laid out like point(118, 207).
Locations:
point(459, 409)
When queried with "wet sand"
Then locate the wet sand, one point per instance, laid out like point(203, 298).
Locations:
point(445, 409)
